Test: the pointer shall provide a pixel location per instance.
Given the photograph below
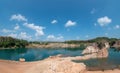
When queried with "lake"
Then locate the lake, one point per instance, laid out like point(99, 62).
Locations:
point(33, 54)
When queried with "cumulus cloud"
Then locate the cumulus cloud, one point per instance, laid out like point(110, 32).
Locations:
point(18, 17)
point(55, 38)
point(104, 21)
point(54, 21)
point(7, 31)
point(93, 11)
point(95, 24)
point(117, 26)
point(70, 23)
point(21, 35)
point(16, 27)
point(38, 29)
point(87, 36)
point(13, 35)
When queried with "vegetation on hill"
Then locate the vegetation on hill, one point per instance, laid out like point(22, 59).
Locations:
point(111, 41)
point(9, 42)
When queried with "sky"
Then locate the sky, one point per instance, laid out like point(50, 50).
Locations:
point(59, 20)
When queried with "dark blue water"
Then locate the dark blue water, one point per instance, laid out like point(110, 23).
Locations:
point(33, 54)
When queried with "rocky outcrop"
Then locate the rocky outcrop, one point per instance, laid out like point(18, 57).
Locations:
point(97, 51)
point(57, 65)
point(116, 45)
point(90, 50)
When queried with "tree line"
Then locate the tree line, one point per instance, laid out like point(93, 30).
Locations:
point(9, 42)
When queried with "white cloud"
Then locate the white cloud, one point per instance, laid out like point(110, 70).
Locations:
point(87, 36)
point(93, 11)
point(104, 21)
point(13, 35)
point(7, 31)
point(95, 24)
point(22, 35)
point(117, 26)
point(70, 23)
point(106, 34)
point(16, 27)
point(77, 37)
point(50, 37)
point(54, 38)
point(54, 21)
point(38, 29)
point(18, 17)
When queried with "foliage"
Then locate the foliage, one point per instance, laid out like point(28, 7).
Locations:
point(98, 40)
point(9, 42)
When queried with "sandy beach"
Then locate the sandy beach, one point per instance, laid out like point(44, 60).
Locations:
point(41, 67)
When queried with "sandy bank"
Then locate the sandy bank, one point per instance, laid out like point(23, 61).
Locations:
point(50, 65)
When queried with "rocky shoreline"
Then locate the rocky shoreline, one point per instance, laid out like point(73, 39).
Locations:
point(50, 65)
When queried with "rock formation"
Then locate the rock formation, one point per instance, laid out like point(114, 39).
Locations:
point(97, 51)
point(57, 65)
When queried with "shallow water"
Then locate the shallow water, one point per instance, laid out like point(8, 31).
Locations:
point(33, 54)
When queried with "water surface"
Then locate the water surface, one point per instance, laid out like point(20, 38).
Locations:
point(112, 62)
point(33, 54)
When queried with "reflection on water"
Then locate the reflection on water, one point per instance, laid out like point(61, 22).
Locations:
point(36, 54)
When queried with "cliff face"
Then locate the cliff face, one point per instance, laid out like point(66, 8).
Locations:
point(96, 51)
point(116, 44)
point(53, 45)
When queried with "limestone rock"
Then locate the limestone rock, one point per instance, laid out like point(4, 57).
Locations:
point(22, 60)
point(57, 65)
point(99, 51)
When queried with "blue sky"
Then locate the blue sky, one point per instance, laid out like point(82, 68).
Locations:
point(59, 20)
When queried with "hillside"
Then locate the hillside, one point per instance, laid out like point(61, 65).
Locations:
point(9, 42)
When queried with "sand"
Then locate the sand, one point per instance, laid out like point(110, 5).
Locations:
point(34, 67)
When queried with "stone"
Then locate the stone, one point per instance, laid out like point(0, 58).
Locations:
point(21, 59)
